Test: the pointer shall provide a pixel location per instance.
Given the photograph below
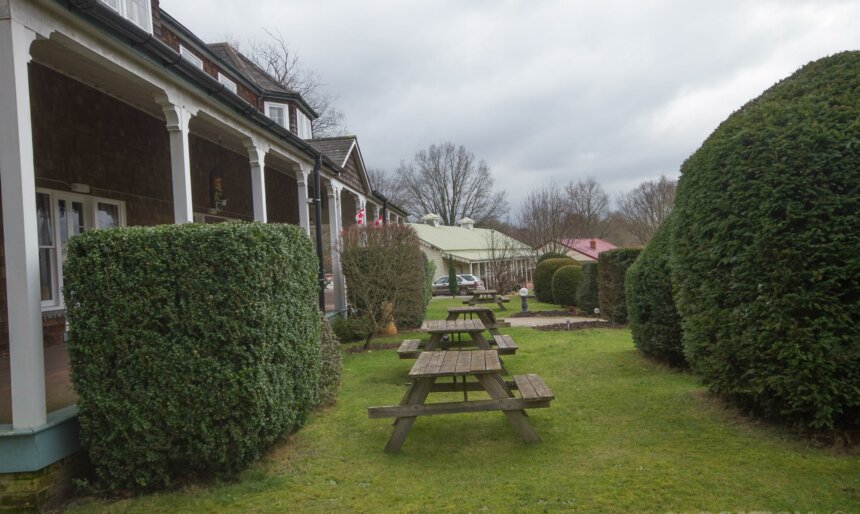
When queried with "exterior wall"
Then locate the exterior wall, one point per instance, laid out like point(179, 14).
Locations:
point(351, 176)
point(42, 490)
point(579, 257)
point(282, 198)
point(235, 169)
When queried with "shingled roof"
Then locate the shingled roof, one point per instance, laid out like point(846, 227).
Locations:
point(335, 148)
point(247, 67)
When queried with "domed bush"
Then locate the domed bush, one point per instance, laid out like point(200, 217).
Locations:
point(654, 320)
point(765, 249)
point(565, 281)
point(586, 293)
point(543, 277)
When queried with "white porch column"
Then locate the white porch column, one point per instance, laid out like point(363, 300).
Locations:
point(20, 230)
point(257, 157)
point(178, 117)
point(302, 177)
point(334, 228)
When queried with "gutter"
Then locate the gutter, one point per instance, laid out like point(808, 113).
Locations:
point(152, 47)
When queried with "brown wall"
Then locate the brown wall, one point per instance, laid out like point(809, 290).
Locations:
point(207, 158)
point(281, 197)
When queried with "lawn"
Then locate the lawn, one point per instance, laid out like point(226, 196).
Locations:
point(438, 308)
point(624, 434)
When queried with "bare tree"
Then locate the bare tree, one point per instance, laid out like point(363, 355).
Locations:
point(275, 56)
point(387, 184)
point(543, 218)
point(644, 208)
point(505, 256)
point(449, 181)
point(588, 207)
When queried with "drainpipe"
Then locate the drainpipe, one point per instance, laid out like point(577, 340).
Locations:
point(318, 216)
point(385, 212)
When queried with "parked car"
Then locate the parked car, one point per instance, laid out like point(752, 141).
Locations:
point(471, 281)
point(440, 286)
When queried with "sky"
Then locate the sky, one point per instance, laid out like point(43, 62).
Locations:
point(543, 90)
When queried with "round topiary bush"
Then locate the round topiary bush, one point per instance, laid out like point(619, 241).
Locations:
point(586, 293)
point(654, 320)
point(193, 347)
point(550, 255)
point(765, 249)
point(565, 281)
point(543, 277)
point(611, 268)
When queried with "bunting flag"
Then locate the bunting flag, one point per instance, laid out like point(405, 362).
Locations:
point(378, 222)
point(359, 216)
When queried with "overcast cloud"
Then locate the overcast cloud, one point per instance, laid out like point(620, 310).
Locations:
point(540, 89)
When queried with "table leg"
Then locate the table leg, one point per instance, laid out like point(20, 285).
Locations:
point(452, 316)
point(433, 343)
point(494, 385)
point(416, 396)
point(479, 340)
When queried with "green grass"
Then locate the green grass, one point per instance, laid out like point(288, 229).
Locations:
point(438, 307)
point(623, 434)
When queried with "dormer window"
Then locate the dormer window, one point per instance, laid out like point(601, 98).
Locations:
point(279, 113)
point(228, 84)
point(304, 125)
point(190, 57)
point(138, 12)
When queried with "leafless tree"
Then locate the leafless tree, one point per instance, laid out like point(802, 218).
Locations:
point(504, 254)
point(275, 56)
point(644, 208)
point(543, 218)
point(588, 207)
point(388, 184)
point(448, 180)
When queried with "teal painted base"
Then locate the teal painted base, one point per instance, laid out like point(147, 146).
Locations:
point(36, 448)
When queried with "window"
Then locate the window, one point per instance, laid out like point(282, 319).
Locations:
point(304, 125)
point(60, 216)
point(279, 113)
point(138, 12)
point(190, 57)
point(229, 84)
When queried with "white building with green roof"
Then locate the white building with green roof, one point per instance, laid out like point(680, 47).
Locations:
point(499, 260)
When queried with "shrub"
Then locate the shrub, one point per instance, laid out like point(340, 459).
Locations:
point(654, 320)
point(453, 286)
point(383, 268)
point(331, 367)
point(543, 277)
point(349, 329)
point(586, 293)
point(193, 347)
point(611, 267)
point(765, 241)
point(565, 282)
point(551, 255)
point(414, 315)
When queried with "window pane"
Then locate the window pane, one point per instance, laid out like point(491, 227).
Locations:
point(137, 11)
point(107, 215)
point(43, 219)
point(276, 113)
point(46, 273)
point(62, 221)
point(77, 218)
point(113, 4)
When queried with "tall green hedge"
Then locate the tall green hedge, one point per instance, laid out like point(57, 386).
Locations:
point(611, 267)
point(586, 293)
point(550, 255)
point(565, 282)
point(766, 240)
point(193, 347)
point(654, 320)
point(410, 314)
point(543, 277)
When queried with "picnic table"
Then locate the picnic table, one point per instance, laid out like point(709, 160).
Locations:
point(485, 314)
point(486, 368)
point(487, 296)
point(439, 329)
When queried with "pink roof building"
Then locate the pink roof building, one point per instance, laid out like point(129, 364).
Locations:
point(586, 249)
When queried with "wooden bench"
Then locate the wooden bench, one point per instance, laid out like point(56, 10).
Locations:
point(505, 344)
point(409, 348)
point(532, 388)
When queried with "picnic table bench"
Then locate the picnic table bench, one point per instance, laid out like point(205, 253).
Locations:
point(487, 296)
point(486, 368)
point(438, 329)
point(485, 314)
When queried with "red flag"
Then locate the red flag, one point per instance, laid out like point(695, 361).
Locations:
point(359, 216)
point(378, 222)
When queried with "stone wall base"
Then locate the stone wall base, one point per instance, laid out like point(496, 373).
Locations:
point(42, 490)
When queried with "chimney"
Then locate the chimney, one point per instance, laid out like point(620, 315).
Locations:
point(467, 223)
point(431, 219)
point(593, 244)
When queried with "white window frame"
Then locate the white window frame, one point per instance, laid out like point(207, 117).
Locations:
point(190, 56)
point(90, 205)
point(229, 84)
point(124, 9)
point(285, 107)
point(303, 125)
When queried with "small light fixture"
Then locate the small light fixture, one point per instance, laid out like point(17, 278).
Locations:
point(77, 187)
point(597, 312)
point(568, 323)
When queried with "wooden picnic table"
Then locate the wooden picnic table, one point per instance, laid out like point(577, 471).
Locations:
point(485, 314)
point(483, 365)
point(438, 329)
point(487, 296)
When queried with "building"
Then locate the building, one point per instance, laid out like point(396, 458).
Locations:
point(499, 260)
point(112, 113)
point(582, 250)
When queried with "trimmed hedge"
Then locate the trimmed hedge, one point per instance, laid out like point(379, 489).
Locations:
point(331, 365)
point(410, 314)
point(565, 282)
point(765, 258)
point(543, 277)
point(193, 347)
point(611, 267)
point(654, 320)
point(586, 293)
point(551, 255)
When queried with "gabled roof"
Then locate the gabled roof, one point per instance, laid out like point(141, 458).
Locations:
point(470, 245)
point(248, 68)
point(336, 148)
point(583, 246)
